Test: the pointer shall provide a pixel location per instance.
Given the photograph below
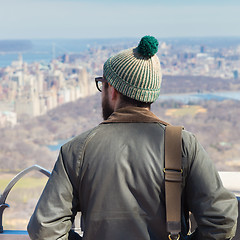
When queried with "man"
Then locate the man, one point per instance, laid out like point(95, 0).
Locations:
point(113, 174)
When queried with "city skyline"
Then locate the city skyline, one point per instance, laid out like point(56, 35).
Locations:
point(76, 19)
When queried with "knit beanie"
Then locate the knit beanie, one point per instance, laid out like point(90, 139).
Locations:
point(136, 72)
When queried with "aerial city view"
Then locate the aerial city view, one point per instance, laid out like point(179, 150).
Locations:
point(48, 94)
point(35, 87)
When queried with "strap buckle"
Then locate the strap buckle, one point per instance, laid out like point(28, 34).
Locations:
point(174, 236)
point(173, 175)
point(173, 170)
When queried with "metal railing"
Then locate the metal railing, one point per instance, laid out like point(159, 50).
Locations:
point(3, 197)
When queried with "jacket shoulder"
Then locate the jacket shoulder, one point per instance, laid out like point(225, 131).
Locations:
point(79, 141)
point(189, 142)
point(72, 154)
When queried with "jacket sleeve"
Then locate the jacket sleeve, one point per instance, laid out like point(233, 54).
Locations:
point(57, 206)
point(214, 208)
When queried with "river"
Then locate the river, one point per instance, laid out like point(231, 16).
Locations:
point(196, 97)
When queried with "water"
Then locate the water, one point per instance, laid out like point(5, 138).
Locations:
point(187, 98)
point(45, 50)
point(57, 146)
point(40, 50)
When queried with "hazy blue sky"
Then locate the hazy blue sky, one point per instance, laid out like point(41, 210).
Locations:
point(26, 19)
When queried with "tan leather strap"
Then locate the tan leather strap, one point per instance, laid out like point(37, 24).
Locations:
point(173, 178)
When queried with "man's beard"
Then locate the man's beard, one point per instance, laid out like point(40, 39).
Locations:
point(106, 108)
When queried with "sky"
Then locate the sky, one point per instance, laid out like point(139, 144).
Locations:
point(76, 19)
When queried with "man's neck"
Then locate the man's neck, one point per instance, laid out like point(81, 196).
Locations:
point(125, 105)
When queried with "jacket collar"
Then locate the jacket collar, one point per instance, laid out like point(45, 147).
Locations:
point(133, 115)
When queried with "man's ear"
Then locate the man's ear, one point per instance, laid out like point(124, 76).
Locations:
point(114, 93)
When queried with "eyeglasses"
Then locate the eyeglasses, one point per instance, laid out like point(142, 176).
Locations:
point(99, 83)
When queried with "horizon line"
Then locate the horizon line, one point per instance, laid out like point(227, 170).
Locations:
point(107, 38)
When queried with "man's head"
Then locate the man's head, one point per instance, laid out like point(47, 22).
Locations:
point(112, 100)
point(133, 75)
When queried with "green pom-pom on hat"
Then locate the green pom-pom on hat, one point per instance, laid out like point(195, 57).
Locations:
point(148, 46)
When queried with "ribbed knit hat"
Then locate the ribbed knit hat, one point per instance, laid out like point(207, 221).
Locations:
point(136, 72)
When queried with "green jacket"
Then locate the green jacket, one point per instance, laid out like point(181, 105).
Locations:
point(114, 175)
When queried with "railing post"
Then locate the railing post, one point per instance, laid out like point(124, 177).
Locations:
point(3, 197)
point(2, 207)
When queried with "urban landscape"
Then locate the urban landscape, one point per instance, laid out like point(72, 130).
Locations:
point(32, 89)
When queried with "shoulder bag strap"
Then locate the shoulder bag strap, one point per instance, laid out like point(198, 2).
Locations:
point(173, 179)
